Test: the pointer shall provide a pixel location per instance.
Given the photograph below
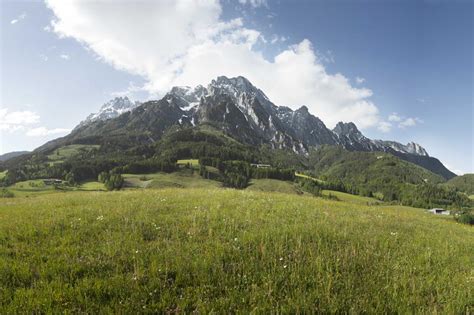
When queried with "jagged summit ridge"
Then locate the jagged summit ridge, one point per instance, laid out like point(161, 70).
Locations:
point(112, 109)
point(246, 113)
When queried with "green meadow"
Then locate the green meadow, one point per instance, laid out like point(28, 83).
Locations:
point(218, 250)
point(61, 154)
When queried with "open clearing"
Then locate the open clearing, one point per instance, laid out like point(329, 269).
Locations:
point(185, 178)
point(228, 251)
point(356, 199)
point(192, 162)
point(63, 153)
point(273, 185)
point(32, 188)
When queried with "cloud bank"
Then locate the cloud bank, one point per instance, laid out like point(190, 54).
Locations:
point(25, 121)
point(188, 43)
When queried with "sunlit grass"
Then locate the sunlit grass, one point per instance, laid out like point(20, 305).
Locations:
point(184, 178)
point(192, 162)
point(351, 198)
point(273, 185)
point(309, 177)
point(228, 251)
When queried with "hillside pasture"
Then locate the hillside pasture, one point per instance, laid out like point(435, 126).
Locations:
point(355, 199)
point(273, 185)
point(185, 178)
point(192, 162)
point(61, 154)
point(228, 251)
point(301, 175)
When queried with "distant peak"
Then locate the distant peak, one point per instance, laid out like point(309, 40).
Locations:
point(343, 128)
point(303, 109)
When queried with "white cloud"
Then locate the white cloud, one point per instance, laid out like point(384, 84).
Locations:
point(409, 122)
point(404, 122)
point(17, 120)
point(276, 39)
point(187, 43)
point(384, 126)
point(43, 131)
point(394, 117)
point(44, 57)
point(254, 3)
point(359, 80)
point(65, 56)
point(24, 121)
point(18, 18)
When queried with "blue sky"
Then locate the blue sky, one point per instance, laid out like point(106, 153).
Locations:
point(402, 70)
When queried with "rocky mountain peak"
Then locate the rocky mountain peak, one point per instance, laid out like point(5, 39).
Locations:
point(346, 129)
point(112, 109)
point(303, 109)
point(415, 148)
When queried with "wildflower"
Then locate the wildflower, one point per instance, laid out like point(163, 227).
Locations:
point(236, 239)
point(285, 266)
point(393, 233)
point(136, 252)
point(100, 218)
point(281, 258)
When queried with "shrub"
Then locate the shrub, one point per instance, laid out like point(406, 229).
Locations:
point(466, 218)
point(4, 193)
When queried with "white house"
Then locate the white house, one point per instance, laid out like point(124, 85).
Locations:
point(439, 211)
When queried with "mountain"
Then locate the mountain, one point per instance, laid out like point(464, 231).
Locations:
point(374, 171)
point(464, 183)
point(241, 111)
point(111, 109)
point(11, 155)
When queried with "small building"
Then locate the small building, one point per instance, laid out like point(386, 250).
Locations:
point(439, 211)
point(261, 165)
point(51, 181)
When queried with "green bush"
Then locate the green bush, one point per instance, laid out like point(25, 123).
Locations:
point(466, 218)
point(4, 193)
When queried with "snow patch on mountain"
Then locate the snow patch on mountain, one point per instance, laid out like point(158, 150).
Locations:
point(112, 109)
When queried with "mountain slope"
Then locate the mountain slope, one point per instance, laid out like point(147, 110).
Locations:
point(368, 173)
point(464, 183)
point(11, 155)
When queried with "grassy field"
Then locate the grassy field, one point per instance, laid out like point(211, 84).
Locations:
point(192, 162)
point(355, 199)
point(228, 251)
point(273, 185)
point(309, 177)
point(31, 188)
point(185, 178)
point(92, 186)
point(63, 153)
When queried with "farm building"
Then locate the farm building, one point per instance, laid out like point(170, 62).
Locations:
point(439, 211)
point(51, 181)
point(261, 165)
